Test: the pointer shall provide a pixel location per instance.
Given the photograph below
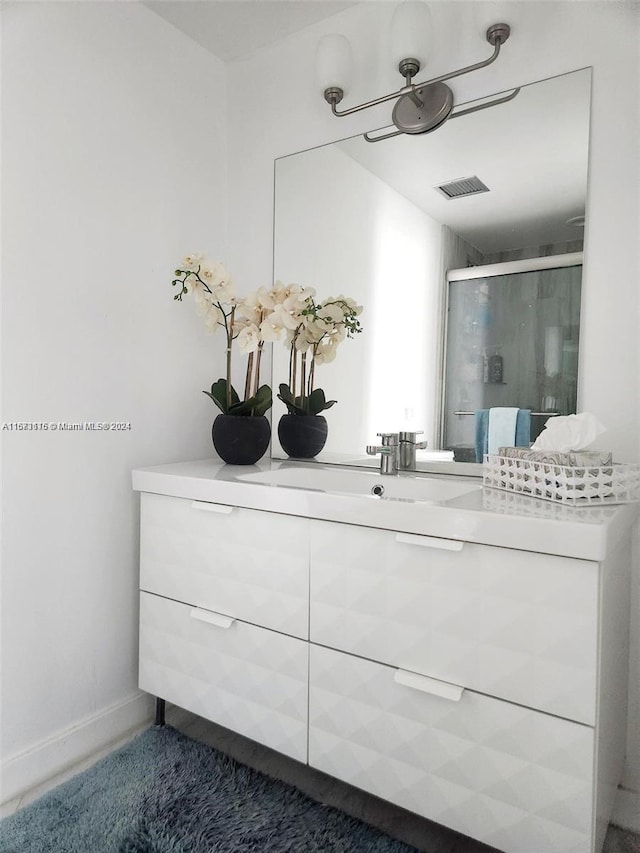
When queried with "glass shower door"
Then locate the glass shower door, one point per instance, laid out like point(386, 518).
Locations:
point(511, 340)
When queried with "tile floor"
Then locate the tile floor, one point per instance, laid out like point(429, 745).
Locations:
point(413, 830)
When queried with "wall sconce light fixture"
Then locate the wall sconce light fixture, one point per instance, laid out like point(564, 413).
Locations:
point(420, 107)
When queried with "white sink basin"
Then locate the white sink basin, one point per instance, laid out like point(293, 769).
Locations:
point(409, 487)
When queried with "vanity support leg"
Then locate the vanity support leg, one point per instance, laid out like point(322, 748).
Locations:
point(160, 703)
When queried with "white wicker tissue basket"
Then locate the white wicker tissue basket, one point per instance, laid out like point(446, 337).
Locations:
point(585, 486)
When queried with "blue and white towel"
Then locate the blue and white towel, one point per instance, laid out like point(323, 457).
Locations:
point(501, 427)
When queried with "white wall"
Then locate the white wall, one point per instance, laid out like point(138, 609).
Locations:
point(114, 154)
point(547, 39)
point(364, 241)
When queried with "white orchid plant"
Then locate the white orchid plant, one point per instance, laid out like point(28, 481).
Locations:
point(248, 322)
point(313, 332)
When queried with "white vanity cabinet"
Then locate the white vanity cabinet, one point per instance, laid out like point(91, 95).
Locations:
point(512, 624)
point(480, 686)
point(460, 681)
point(512, 777)
point(224, 616)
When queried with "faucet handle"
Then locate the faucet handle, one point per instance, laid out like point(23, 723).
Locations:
point(407, 449)
point(389, 439)
point(410, 436)
point(388, 451)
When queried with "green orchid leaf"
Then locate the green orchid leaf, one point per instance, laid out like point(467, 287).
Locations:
point(318, 403)
point(315, 403)
point(255, 406)
point(295, 405)
point(285, 393)
point(264, 400)
point(220, 405)
point(218, 394)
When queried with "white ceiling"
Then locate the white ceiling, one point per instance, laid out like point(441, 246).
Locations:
point(233, 29)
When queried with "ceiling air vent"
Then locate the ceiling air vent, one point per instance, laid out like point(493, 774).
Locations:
point(463, 187)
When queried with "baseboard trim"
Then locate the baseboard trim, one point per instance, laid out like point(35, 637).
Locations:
point(626, 810)
point(58, 753)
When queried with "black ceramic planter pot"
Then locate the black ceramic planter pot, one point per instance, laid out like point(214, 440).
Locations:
point(302, 436)
point(240, 440)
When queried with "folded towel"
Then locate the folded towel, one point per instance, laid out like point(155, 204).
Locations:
point(517, 434)
point(523, 428)
point(482, 433)
point(502, 428)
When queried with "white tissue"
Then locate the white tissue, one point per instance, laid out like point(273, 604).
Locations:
point(569, 432)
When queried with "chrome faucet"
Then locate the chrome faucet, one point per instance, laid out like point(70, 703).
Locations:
point(407, 446)
point(388, 451)
point(397, 451)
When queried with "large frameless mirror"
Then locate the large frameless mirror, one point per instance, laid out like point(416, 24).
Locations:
point(404, 227)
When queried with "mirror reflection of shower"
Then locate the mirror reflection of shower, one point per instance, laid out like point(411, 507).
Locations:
point(512, 335)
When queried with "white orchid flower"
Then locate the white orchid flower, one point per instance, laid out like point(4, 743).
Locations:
point(191, 262)
point(314, 330)
point(249, 338)
point(286, 319)
point(282, 292)
point(351, 304)
point(332, 312)
point(217, 279)
point(302, 342)
point(269, 330)
point(266, 298)
point(295, 303)
point(223, 292)
point(337, 334)
point(326, 350)
point(248, 310)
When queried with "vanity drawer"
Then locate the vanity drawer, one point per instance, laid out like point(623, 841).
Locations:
point(248, 679)
point(512, 624)
point(514, 778)
point(245, 563)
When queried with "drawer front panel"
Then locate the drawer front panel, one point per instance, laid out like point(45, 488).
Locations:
point(247, 564)
point(514, 778)
point(512, 624)
point(246, 678)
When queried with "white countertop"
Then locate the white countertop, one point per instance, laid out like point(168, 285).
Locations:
point(486, 516)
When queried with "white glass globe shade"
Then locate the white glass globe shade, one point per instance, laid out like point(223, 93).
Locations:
point(410, 32)
point(334, 62)
point(487, 13)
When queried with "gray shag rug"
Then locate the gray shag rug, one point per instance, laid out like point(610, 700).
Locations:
point(166, 793)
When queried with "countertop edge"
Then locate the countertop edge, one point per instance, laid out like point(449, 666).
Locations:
point(213, 482)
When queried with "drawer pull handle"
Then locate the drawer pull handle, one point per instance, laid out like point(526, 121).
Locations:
point(212, 618)
point(429, 541)
point(221, 508)
point(429, 685)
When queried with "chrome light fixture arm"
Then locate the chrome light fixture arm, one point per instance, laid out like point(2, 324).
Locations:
point(505, 99)
point(496, 35)
point(334, 96)
point(369, 138)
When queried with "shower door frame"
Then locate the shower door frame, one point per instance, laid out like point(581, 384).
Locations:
point(546, 262)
